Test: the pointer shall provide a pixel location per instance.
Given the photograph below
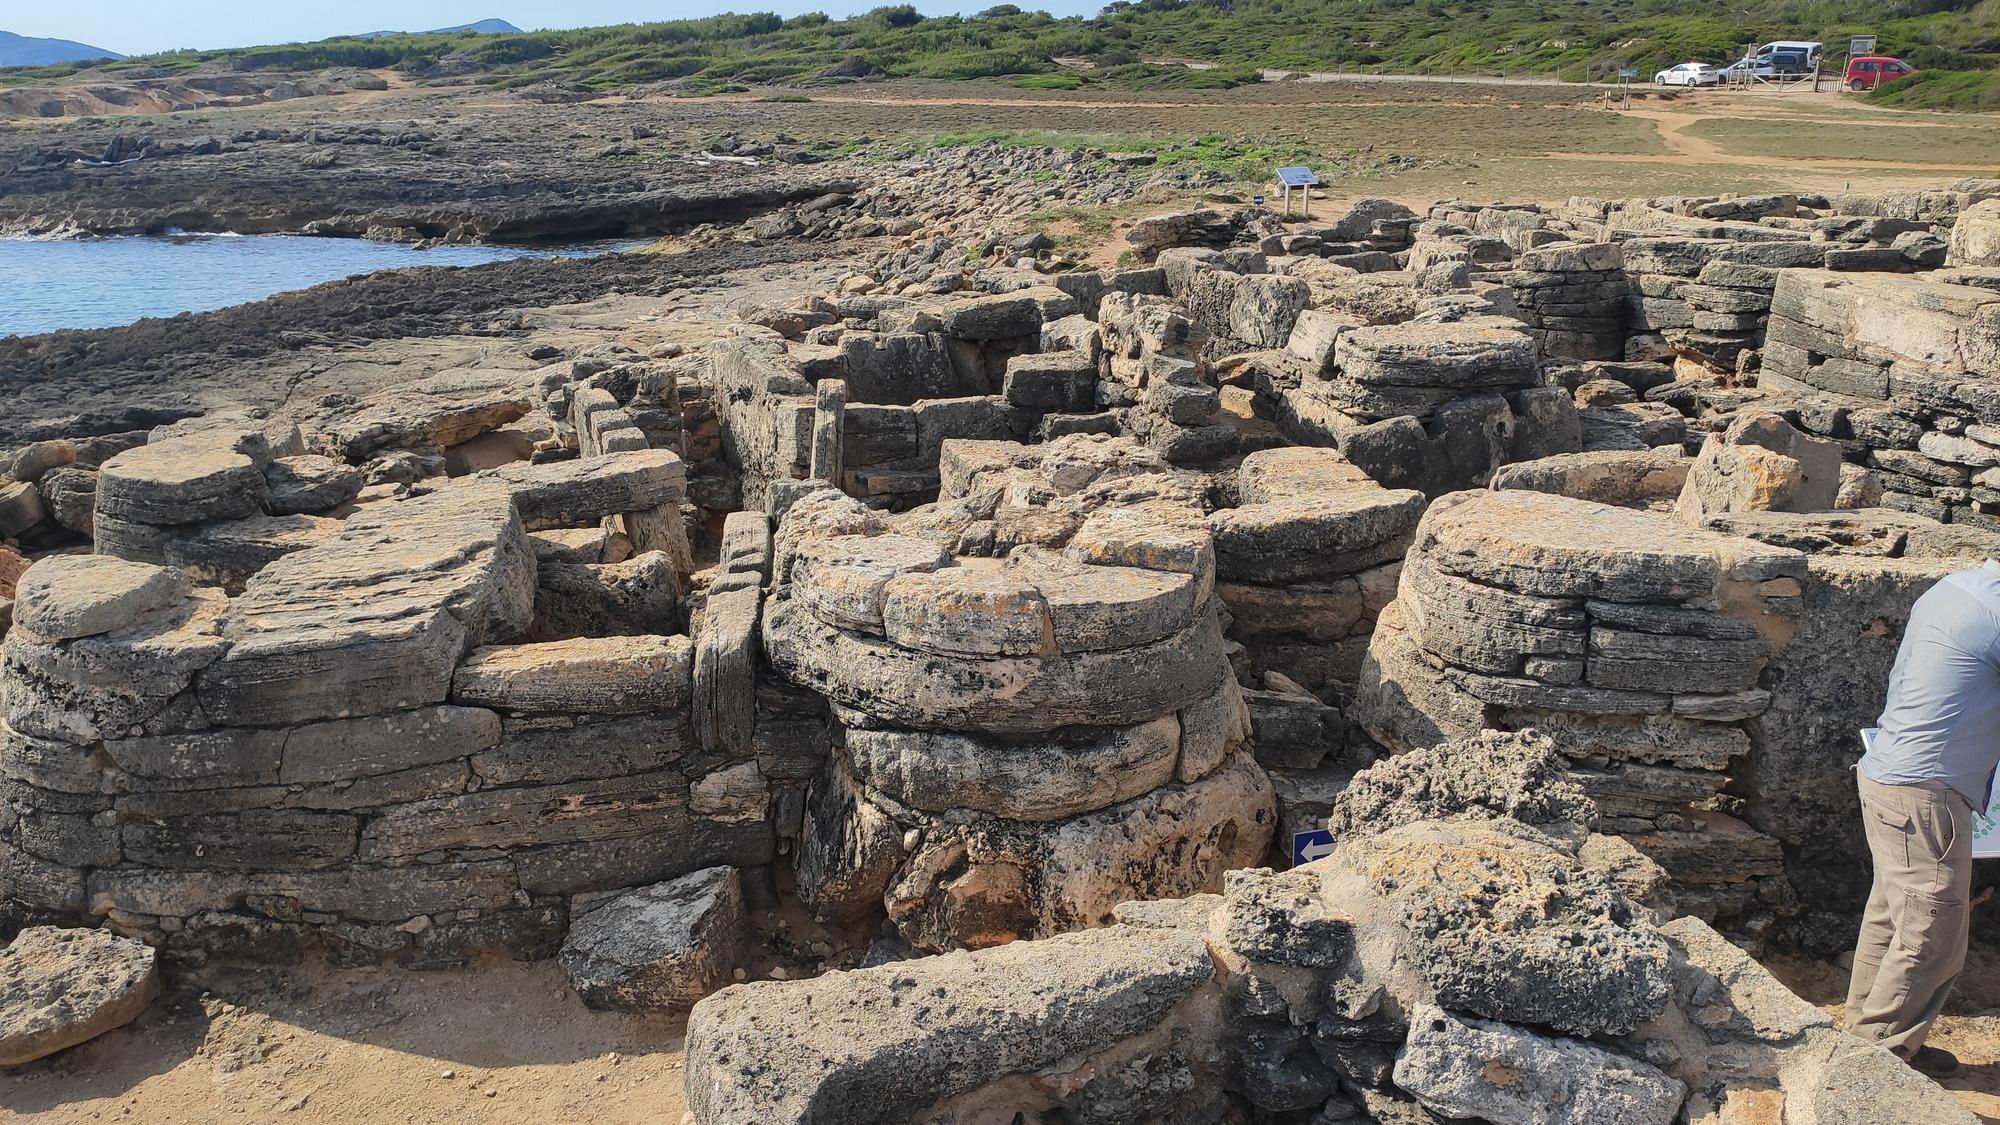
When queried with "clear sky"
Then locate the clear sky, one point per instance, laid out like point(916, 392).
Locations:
point(135, 27)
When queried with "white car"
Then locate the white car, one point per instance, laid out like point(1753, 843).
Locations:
point(1689, 74)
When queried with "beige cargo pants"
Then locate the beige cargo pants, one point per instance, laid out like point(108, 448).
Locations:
point(1914, 933)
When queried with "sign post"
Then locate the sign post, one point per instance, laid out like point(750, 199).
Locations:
point(1298, 177)
point(1625, 76)
point(1857, 47)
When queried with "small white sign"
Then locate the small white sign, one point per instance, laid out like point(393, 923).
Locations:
point(1986, 832)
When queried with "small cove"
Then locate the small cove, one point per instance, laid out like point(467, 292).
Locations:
point(48, 285)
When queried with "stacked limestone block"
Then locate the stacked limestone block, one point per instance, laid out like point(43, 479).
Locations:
point(1901, 371)
point(1478, 954)
point(354, 750)
point(221, 501)
point(1430, 406)
point(1638, 644)
point(1026, 740)
point(1305, 549)
point(1306, 558)
point(48, 488)
point(1304, 546)
point(1154, 374)
point(427, 418)
point(1231, 299)
point(1865, 569)
point(1572, 298)
point(1709, 299)
point(1372, 235)
point(914, 376)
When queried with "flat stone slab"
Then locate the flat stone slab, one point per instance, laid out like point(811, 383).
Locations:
point(1035, 780)
point(884, 1044)
point(60, 987)
point(1277, 474)
point(375, 619)
point(598, 675)
point(587, 489)
point(179, 482)
point(1555, 546)
point(659, 948)
point(1315, 537)
point(1494, 1072)
point(1005, 694)
point(229, 553)
point(64, 597)
point(310, 483)
point(842, 579)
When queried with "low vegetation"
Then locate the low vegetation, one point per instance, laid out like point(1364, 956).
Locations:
point(1143, 44)
point(1963, 90)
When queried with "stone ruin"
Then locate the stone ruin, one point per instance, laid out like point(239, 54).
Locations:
point(1015, 625)
point(1477, 952)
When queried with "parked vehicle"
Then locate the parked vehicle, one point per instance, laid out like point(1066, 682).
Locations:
point(1781, 59)
point(1789, 56)
point(1865, 72)
point(1688, 74)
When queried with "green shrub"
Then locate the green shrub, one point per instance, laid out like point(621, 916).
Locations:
point(1963, 90)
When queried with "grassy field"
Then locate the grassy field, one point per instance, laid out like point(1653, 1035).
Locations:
point(1404, 140)
point(1884, 139)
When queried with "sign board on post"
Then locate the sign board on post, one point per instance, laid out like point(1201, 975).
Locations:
point(1316, 843)
point(1860, 45)
point(1628, 72)
point(1302, 178)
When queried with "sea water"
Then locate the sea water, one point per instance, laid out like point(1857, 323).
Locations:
point(106, 282)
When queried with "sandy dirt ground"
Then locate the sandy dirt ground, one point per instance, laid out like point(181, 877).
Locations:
point(508, 1043)
point(499, 1042)
point(1970, 1027)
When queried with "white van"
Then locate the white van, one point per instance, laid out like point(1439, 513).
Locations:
point(1786, 56)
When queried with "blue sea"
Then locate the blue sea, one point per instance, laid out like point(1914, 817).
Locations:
point(107, 282)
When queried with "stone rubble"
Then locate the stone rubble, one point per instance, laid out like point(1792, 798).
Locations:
point(1470, 966)
point(62, 987)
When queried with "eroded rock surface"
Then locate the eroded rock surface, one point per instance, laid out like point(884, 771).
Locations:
point(61, 987)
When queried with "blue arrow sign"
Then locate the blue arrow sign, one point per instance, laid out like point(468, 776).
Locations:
point(1316, 843)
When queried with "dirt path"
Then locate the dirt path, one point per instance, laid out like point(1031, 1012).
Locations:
point(1684, 148)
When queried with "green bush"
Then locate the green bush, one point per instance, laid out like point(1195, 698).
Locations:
point(1963, 90)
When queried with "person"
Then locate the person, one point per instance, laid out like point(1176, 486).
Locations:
point(1928, 767)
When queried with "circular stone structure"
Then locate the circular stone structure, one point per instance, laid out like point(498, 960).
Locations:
point(1024, 741)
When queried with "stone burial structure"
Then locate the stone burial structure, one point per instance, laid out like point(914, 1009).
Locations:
point(1472, 951)
point(1023, 742)
point(1013, 617)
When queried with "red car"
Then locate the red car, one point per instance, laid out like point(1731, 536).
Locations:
point(1865, 72)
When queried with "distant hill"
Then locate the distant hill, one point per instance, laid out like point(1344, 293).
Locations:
point(21, 50)
point(483, 27)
